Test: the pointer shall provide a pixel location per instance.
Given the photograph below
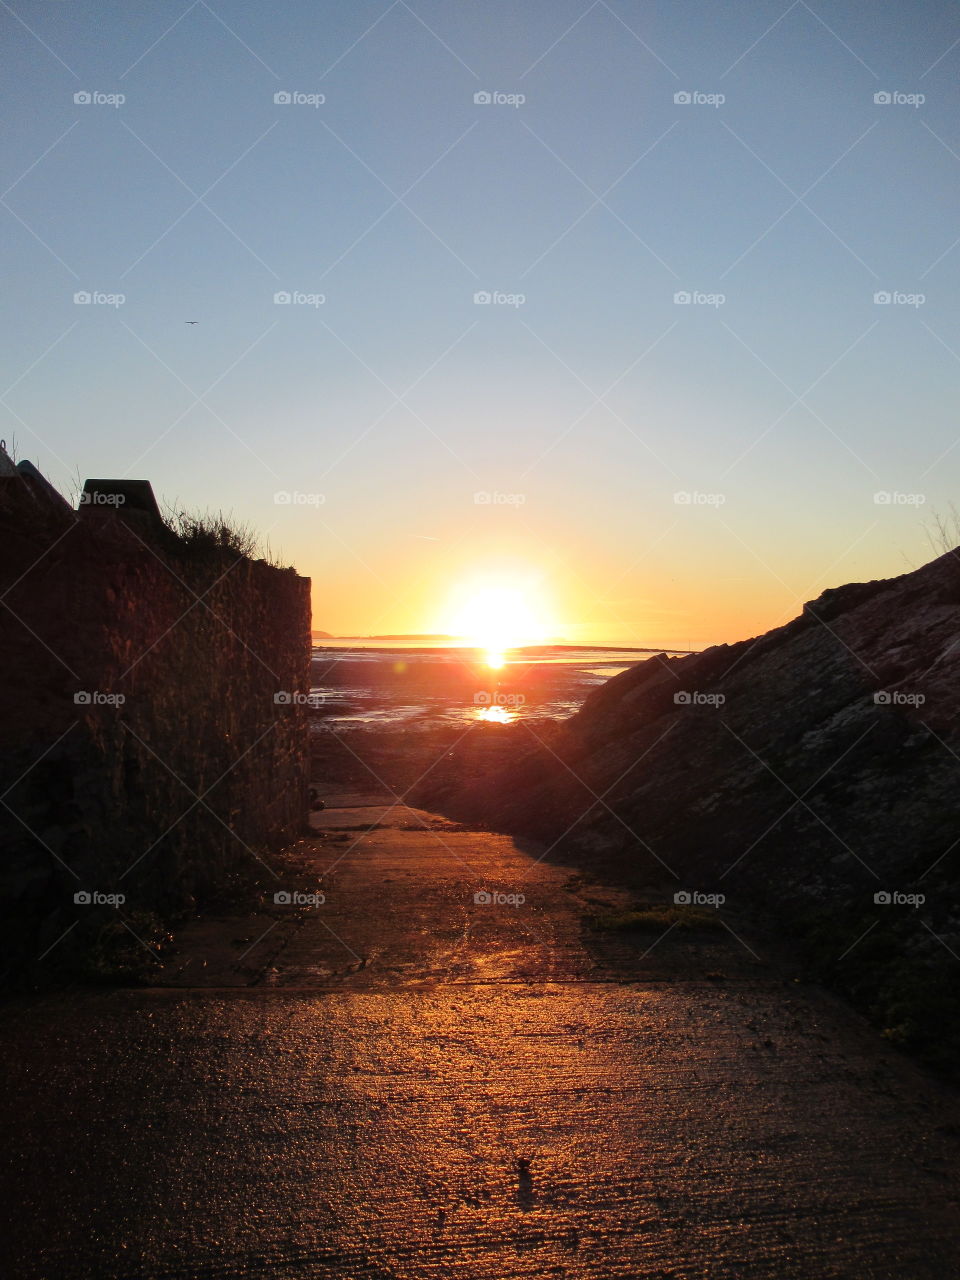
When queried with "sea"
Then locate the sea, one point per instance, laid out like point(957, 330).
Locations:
point(363, 683)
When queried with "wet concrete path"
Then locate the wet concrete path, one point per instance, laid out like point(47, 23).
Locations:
point(403, 1081)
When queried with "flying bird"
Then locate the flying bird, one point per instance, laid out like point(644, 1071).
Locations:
point(191, 322)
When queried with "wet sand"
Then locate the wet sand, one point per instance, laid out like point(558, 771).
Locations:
point(363, 687)
point(405, 1082)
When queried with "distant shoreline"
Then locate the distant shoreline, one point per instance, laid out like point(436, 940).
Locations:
point(338, 643)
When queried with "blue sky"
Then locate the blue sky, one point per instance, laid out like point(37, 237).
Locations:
point(587, 407)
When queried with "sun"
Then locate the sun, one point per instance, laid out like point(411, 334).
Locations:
point(498, 615)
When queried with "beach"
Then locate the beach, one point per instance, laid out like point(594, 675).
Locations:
point(431, 718)
point(365, 684)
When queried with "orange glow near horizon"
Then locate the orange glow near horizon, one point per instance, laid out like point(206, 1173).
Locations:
point(498, 612)
point(494, 598)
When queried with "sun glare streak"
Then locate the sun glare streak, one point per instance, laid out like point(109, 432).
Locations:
point(495, 659)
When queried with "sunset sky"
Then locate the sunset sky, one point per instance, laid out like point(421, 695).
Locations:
point(636, 468)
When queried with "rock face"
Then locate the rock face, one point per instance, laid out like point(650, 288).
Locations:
point(805, 771)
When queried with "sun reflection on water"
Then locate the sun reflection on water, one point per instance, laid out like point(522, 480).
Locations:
point(495, 715)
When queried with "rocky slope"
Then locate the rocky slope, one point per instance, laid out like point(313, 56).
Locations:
point(802, 773)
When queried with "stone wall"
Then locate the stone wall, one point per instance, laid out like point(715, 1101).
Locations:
point(143, 750)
